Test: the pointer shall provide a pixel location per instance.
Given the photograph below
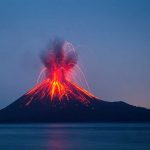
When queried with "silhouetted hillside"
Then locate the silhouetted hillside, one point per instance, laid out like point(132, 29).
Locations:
point(72, 111)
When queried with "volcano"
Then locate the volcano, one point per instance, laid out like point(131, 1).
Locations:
point(58, 99)
point(36, 107)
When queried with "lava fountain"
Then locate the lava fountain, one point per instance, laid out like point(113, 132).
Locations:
point(60, 60)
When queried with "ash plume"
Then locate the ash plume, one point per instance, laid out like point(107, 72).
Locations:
point(60, 56)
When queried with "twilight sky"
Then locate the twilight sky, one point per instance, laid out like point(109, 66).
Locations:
point(112, 38)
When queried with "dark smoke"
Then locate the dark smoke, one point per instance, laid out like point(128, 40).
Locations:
point(60, 55)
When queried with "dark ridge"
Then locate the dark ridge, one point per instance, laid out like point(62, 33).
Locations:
point(73, 111)
point(43, 110)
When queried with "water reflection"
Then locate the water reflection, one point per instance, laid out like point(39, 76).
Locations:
point(75, 137)
point(58, 138)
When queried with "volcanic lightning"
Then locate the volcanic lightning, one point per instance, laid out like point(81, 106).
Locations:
point(59, 61)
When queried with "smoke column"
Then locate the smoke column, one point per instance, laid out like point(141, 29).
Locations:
point(59, 59)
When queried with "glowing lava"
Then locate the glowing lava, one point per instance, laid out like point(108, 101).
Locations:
point(59, 61)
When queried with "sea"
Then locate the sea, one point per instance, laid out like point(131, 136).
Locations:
point(80, 136)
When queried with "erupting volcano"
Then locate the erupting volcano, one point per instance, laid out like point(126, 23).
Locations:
point(59, 61)
point(57, 98)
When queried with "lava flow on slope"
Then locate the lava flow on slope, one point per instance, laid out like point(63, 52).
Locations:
point(59, 61)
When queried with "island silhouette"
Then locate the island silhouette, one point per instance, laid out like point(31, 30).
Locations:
point(58, 99)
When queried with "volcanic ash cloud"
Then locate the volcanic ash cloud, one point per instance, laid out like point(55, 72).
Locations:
point(60, 57)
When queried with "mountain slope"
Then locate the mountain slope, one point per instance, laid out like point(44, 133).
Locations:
point(74, 111)
point(71, 104)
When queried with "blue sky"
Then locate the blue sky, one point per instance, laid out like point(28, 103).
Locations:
point(111, 36)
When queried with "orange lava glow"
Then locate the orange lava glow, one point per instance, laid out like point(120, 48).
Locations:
point(59, 88)
point(56, 86)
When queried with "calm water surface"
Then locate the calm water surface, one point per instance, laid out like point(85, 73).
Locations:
point(75, 137)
